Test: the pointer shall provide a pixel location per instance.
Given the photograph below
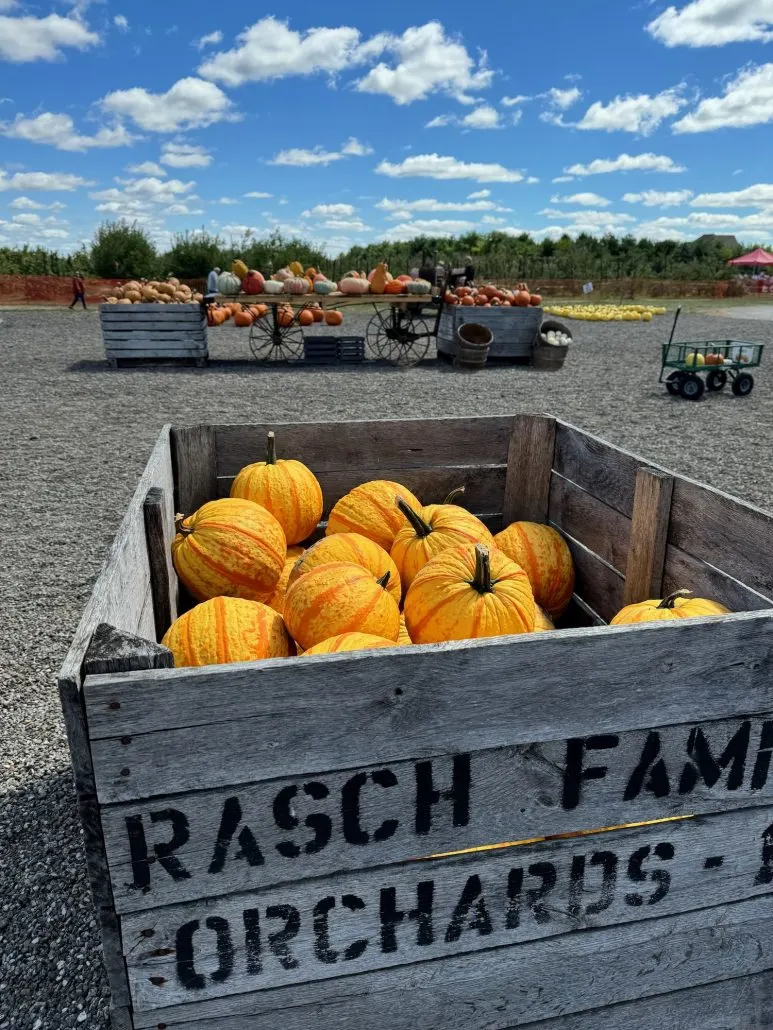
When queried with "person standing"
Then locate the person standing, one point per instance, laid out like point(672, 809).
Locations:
point(78, 291)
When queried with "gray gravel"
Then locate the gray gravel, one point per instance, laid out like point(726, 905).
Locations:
point(76, 438)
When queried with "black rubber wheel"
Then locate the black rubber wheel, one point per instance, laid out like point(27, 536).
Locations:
point(716, 380)
point(692, 387)
point(743, 384)
point(674, 382)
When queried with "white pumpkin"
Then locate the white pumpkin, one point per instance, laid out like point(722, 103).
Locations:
point(296, 285)
point(282, 274)
point(354, 287)
point(228, 283)
point(273, 286)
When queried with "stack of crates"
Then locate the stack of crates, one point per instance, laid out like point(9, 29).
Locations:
point(330, 350)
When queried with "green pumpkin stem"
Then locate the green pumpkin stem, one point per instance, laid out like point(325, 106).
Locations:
point(668, 602)
point(179, 527)
point(271, 449)
point(384, 580)
point(456, 492)
point(420, 527)
point(482, 579)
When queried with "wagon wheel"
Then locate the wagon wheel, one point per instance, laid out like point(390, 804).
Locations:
point(716, 379)
point(673, 383)
point(403, 338)
point(271, 342)
point(376, 333)
point(692, 387)
point(743, 384)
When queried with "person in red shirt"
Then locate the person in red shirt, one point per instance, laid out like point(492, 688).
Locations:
point(78, 291)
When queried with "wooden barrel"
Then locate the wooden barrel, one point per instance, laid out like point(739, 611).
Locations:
point(550, 358)
point(473, 346)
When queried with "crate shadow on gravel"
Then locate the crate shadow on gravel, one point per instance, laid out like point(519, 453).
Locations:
point(241, 365)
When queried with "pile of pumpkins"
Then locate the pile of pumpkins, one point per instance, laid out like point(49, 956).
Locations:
point(170, 292)
point(297, 281)
point(490, 296)
point(607, 312)
point(389, 572)
point(245, 315)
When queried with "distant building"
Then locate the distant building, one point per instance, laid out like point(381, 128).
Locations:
point(725, 241)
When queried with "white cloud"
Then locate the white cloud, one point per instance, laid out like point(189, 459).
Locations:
point(330, 211)
point(514, 101)
point(269, 49)
point(185, 155)
point(302, 158)
point(258, 195)
point(563, 178)
point(353, 148)
point(482, 118)
point(641, 114)
point(26, 39)
point(626, 163)
point(429, 227)
point(403, 208)
point(63, 181)
point(146, 168)
point(479, 195)
point(140, 196)
point(658, 198)
point(759, 195)
point(190, 103)
point(226, 200)
point(346, 225)
point(436, 166)
point(426, 61)
point(210, 39)
point(26, 204)
point(563, 99)
point(714, 23)
point(58, 130)
point(747, 100)
point(121, 22)
point(440, 121)
point(492, 220)
point(605, 220)
point(586, 199)
point(707, 221)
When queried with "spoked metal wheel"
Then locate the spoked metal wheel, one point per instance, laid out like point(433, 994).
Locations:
point(271, 342)
point(398, 336)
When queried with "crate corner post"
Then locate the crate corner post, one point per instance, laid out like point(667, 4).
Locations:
point(529, 466)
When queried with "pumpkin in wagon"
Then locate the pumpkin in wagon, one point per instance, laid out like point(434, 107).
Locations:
point(468, 592)
point(682, 604)
point(227, 629)
point(545, 556)
point(287, 488)
point(370, 509)
point(350, 547)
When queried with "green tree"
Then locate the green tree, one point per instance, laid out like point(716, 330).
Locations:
point(120, 250)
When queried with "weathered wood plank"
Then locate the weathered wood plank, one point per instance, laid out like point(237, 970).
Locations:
point(172, 340)
point(649, 532)
point(597, 582)
point(529, 461)
point(509, 987)
point(683, 572)
point(395, 444)
point(159, 532)
point(486, 901)
point(113, 650)
point(195, 476)
point(514, 794)
point(580, 515)
point(483, 486)
point(373, 707)
point(606, 472)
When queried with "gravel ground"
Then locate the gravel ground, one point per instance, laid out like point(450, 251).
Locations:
point(77, 437)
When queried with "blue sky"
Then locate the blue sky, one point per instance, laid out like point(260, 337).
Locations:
point(639, 118)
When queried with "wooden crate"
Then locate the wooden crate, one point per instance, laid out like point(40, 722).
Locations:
point(287, 844)
point(514, 329)
point(152, 332)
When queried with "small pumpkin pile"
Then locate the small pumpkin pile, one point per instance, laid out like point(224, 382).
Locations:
point(491, 296)
point(171, 291)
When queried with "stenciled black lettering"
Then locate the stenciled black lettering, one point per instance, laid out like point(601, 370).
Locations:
point(229, 821)
point(350, 807)
point(662, 877)
point(285, 819)
point(546, 872)
point(470, 913)
point(765, 873)
point(322, 949)
point(180, 836)
point(427, 795)
point(186, 970)
point(578, 887)
point(278, 942)
point(650, 765)
point(252, 942)
point(390, 916)
point(138, 851)
point(575, 774)
point(764, 751)
point(702, 764)
point(354, 904)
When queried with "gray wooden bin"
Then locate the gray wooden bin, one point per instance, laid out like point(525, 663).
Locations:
point(153, 331)
point(252, 831)
point(514, 329)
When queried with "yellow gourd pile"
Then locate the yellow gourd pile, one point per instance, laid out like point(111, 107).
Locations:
point(389, 572)
point(606, 312)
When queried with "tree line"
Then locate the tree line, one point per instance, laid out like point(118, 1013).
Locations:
point(122, 250)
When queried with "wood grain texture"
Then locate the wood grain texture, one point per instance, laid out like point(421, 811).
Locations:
point(597, 582)
point(606, 472)
point(512, 899)
point(374, 707)
point(587, 520)
point(195, 476)
point(683, 572)
point(113, 650)
point(529, 461)
point(513, 987)
point(346, 446)
point(159, 533)
point(649, 533)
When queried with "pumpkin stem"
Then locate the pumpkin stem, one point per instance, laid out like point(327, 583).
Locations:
point(383, 580)
point(179, 527)
point(420, 527)
point(458, 491)
point(271, 449)
point(668, 602)
point(482, 579)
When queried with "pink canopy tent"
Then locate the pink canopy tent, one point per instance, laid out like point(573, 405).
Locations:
point(756, 257)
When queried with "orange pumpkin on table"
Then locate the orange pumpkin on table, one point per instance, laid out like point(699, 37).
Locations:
point(679, 605)
point(543, 553)
point(350, 547)
point(227, 629)
point(370, 509)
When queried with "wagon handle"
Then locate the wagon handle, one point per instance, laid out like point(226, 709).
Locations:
point(673, 327)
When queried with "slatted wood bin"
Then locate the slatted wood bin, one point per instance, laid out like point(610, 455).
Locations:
point(286, 844)
point(154, 332)
point(514, 329)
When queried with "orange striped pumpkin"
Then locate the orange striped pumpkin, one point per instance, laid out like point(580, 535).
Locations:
point(287, 488)
point(339, 597)
point(277, 599)
point(542, 622)
point(543, 553)
point(370, 509)
point(231, 547)
point(403, 637)
point(351, 547)
point(469, 592)
point(679, 605)
point(227, 629)
point(350, 642)
point(430, 530)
